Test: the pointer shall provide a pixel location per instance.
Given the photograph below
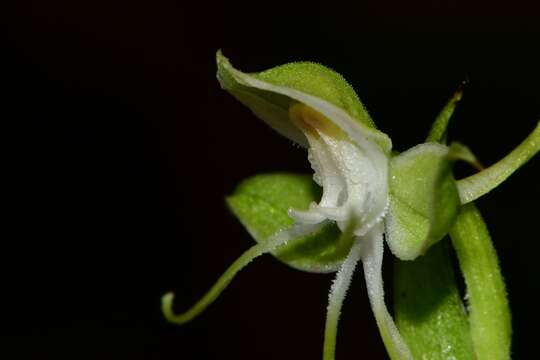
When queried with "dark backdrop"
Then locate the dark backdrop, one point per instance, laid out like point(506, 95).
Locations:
point(120, 147)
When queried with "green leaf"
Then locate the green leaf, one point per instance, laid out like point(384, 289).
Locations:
point(474, 186)
point(269, 94)
point(428, 307)
point(423, 199)
point(262, 202)
point(489, 313)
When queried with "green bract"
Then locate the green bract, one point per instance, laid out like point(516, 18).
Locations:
point(359, 195)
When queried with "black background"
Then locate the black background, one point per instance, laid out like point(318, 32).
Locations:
point(120, 146)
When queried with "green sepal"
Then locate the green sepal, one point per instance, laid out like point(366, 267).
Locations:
point(424, 199)
point(320, 81)
point(270, 93)
point(439, 129)
point(429, 312)
point(261, 203)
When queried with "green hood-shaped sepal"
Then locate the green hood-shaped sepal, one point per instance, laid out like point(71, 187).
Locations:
point(270, 93)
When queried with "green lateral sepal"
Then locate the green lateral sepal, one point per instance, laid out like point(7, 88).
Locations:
point(424, 199)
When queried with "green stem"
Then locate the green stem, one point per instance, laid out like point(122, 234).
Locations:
point(474, 186)
point(489, 312)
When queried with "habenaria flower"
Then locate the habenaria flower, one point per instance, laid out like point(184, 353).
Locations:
point(368, 194)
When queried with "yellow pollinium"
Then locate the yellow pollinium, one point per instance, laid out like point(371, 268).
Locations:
point(312, 122)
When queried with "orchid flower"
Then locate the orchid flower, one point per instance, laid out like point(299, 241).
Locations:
point(361, 194)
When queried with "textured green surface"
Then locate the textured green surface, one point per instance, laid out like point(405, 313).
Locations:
point(424, 200)
point(320, 81)
point(489, 312)
point(428, 307)
point(308, 77)
point(264, 200)
point(261, 204)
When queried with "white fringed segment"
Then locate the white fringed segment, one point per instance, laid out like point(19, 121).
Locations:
point(369, 249)
point(338, 291)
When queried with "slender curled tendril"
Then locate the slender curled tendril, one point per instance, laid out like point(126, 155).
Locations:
point(279, 239)
point(359, 206)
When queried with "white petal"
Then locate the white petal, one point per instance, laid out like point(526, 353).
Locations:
point(372, 255)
